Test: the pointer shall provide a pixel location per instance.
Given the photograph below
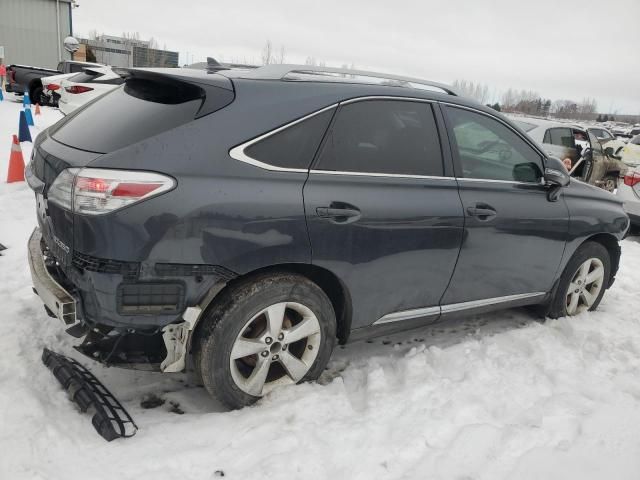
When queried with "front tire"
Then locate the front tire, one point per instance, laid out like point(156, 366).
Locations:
point(583, 282)
point(270, 331)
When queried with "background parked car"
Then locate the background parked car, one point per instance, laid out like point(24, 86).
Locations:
point(606, 138)
point(590, 161)
point(24, 79)
point(83, 87)
point(629, 189)
point(51, 88)
point(630, 153)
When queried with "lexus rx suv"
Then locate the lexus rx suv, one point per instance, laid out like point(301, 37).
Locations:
point(243, 221)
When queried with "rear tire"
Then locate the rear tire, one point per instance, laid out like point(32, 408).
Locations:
point(36, 96)
point(610, 183)
point(583, 281)
point(248, 343)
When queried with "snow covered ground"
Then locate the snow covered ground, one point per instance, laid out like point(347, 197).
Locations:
point(498, 396)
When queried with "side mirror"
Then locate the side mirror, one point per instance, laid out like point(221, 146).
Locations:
point(555, 173)
point(526, 172)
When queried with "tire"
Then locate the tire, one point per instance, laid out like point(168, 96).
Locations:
point(36, 96)
point(610, 183)
point(573, 276)
point(239, 324)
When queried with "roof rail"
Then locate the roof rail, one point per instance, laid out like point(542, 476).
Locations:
point(281, 72)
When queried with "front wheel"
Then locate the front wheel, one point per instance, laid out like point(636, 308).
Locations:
point(583, 282)
point(268, 332)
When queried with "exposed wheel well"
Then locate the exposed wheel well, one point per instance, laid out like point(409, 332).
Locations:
point(327, 281)
point(611, 244)
point(35, 83)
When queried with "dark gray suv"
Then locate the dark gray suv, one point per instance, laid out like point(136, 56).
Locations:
point(249, 219)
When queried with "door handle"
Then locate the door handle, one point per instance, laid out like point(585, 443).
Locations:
point(482, 211)
point(339, 214)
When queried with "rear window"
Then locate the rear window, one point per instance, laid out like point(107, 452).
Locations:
point(85, 77)
point(134, 112)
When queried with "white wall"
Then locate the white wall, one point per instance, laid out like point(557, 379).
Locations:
point(28, 31)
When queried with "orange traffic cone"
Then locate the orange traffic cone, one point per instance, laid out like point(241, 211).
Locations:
point(37, 109)
point(16, 163)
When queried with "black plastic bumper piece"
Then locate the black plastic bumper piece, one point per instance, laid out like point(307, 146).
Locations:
point(110, 419)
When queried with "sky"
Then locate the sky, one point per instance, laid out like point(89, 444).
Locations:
point(562, 49)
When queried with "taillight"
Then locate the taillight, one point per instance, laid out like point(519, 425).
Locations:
point(94, 191)
point(53, 86)
point(78, 89)
point(632, 179)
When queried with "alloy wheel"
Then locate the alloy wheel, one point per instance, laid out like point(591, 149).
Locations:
point(585, 286)
point(277, 346)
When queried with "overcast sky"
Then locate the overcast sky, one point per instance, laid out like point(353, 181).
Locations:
point(559, 48)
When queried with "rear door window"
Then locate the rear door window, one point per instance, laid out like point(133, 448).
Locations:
point(560, 136)
point(294, 146)
point(384, 137)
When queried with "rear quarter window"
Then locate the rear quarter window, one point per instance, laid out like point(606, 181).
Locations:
point(294, 146)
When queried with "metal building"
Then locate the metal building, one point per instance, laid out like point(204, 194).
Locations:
point(127, 52)
point(32, 31)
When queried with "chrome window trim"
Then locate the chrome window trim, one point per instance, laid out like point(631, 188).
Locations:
point(385, 175)
point(386, 97)
point(453, 307)
point(489, 180)
point(238, 153)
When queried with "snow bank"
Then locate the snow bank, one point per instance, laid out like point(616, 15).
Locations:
point(490, 397)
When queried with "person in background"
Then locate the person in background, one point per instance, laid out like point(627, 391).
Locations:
point(567, 163)
point(3, 73)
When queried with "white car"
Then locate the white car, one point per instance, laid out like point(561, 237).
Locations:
point(629, 189)
point(83, 87)
point(51, 85)
point(630, 153)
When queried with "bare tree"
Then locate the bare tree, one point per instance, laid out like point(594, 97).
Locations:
point(267, 53)
point(477, 91)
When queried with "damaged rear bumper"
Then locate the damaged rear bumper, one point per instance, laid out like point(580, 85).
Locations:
point(156, 348)
point(57, 300)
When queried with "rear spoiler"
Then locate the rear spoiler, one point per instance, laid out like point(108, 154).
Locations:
point(175, 85)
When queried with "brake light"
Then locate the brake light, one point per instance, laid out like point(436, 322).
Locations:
point(95, 191)
point(53, 87)
point(78, 89)
point(632, 179)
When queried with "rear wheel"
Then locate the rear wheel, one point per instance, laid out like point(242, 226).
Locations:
point(36, 96)
point(273, 331)
point(610, 183)
point(583, 281)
